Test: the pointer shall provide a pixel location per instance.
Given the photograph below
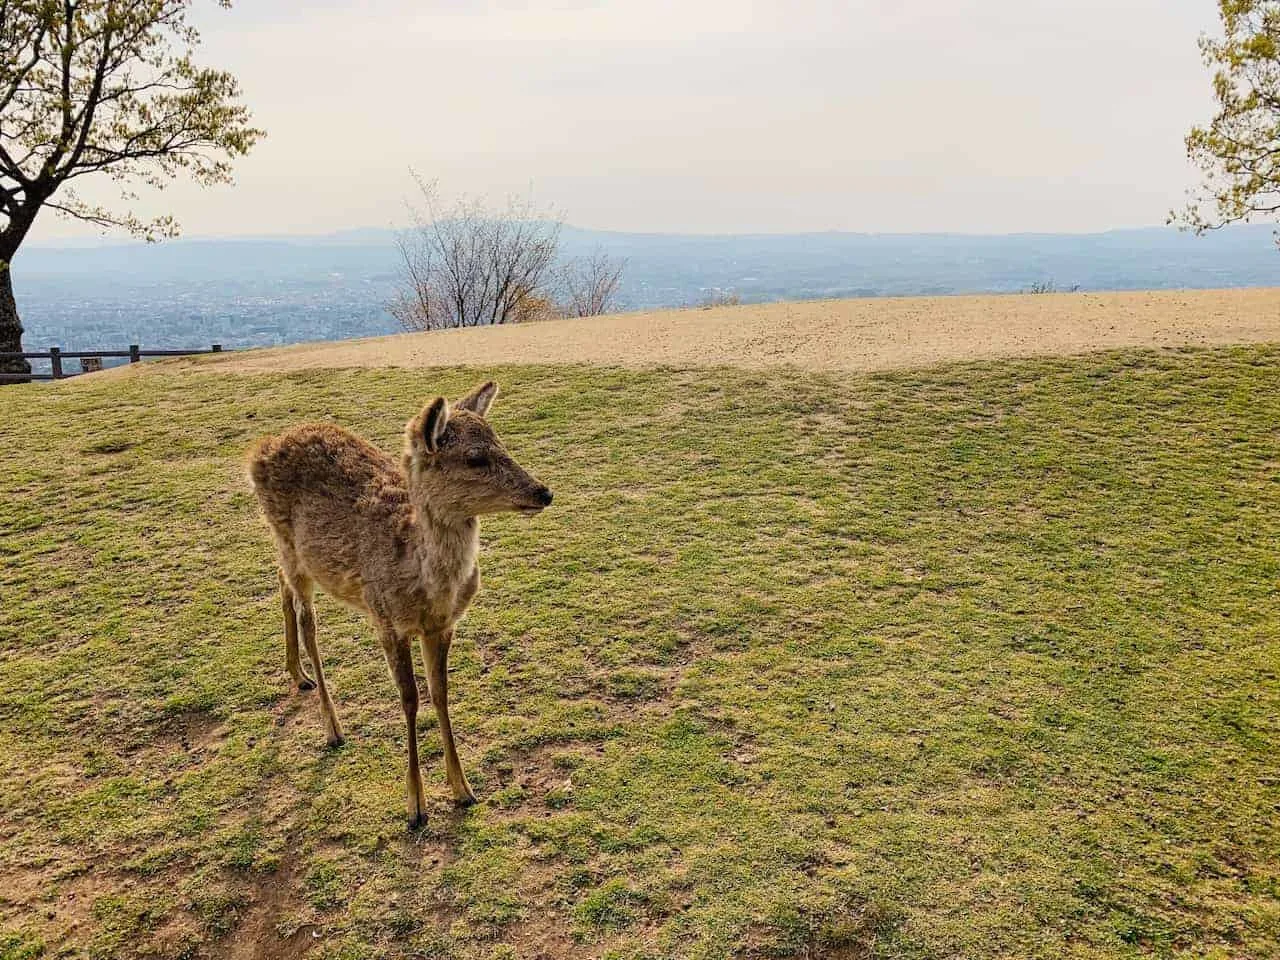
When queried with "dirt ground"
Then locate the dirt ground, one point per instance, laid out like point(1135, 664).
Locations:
point(866, 334)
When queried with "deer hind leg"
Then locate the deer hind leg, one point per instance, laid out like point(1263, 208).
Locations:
point(292, 661)
point(303, 608)
point(435, 651)
point(400, 660)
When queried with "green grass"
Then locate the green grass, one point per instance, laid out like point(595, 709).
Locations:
point(979, 661)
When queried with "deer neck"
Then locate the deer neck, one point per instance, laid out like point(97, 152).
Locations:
point(447, 546)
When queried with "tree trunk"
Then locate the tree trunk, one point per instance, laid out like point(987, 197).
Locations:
point(10, 327)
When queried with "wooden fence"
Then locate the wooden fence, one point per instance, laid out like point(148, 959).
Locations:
point(94, 358)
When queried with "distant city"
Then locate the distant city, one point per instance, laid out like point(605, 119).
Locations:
point(265, 291)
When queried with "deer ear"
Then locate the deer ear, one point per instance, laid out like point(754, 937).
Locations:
point(434, 419)
point(480, 399)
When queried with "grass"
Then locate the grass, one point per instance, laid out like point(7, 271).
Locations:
point(978, 661)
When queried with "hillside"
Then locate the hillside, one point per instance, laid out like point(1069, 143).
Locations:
point(862, 334)
point(972, 661)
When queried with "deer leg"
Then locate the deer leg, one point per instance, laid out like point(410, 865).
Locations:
point(435, 651)
point(292, 662)
point(400, 660)
point(307, 624)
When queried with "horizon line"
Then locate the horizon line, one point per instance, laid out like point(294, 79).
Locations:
point(112, 241)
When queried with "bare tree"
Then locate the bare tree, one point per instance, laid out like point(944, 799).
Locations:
point(589, 285)
point(1050, 286)
point(104, 89)
point(717, 297)
point(466, 265)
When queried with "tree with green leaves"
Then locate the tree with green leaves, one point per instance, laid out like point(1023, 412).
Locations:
point(1239, 150)
point(106, 89)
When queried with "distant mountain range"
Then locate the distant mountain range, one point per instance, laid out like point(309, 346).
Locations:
point(266, 290)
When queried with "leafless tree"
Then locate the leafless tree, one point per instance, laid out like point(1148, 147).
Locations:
point(716, 297)
point(467, 265)
point(589, 285)
point(1051, 286)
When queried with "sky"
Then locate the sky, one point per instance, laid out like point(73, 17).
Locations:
point(707, 116)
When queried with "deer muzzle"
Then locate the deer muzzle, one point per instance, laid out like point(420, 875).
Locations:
point(541, 500)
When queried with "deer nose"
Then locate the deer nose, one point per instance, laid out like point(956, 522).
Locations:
point(544, 497)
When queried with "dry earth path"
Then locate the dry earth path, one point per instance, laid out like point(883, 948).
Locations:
point(865, 334)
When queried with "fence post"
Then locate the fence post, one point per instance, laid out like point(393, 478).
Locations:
point(217, 348)
point(55, 362)
point(133, 353)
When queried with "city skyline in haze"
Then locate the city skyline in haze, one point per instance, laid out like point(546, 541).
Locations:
point(708, 116)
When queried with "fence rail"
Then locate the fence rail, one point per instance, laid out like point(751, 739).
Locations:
point(55, 356)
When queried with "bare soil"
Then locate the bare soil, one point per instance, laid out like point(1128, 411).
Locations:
point(861, 335)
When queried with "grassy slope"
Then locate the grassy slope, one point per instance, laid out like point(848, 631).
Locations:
point(979, 661)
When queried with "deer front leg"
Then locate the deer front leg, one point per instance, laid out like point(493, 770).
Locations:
point(292, 662)
point(435, 651)
point(400, 660)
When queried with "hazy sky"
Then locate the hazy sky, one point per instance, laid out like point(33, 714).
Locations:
point(711, 115)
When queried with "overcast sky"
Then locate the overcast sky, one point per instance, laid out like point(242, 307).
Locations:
point(978, 116)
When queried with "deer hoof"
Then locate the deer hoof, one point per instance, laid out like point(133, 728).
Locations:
point(465, 799)
point(305, 684)
point(417, 821)
point(336, 739)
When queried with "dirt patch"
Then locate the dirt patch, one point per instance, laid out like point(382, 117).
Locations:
point(181, 740)
point(542, 937)
point(866, 334)
point(261, 936)
point(71, 905)
point(194, 732)
point(541, 776)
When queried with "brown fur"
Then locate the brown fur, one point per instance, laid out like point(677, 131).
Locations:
point(400, 545)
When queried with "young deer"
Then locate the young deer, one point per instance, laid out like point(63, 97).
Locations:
point(400, 546)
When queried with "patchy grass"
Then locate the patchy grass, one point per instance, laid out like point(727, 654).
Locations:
point(979, 661)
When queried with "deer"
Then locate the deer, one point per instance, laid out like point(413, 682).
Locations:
point(399, 544)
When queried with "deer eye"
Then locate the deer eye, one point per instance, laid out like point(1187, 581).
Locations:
point(478, 461)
